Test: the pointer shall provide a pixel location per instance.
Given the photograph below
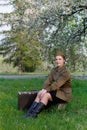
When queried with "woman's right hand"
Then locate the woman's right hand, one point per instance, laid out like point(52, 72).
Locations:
point(41, 93)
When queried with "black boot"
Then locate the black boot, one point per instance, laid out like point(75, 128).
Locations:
point(31, 109)
point(37, 110)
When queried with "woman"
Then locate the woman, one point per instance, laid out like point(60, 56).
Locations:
point(56, 89)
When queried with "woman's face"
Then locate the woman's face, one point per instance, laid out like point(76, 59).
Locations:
point(60, 61)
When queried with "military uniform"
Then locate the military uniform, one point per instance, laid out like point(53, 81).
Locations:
point(60, 81)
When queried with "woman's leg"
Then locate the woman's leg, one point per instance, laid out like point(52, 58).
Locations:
point(47, 97)
point(37, 99)
point(43, 102)
point(44, 99)
point(38, 104)
point(33, 106)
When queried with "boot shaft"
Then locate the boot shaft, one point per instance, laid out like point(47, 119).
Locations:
point(35, 109)
point(32, 107)
point(39, 107)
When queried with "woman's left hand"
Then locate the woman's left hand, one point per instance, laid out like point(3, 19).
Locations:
point(43, 92)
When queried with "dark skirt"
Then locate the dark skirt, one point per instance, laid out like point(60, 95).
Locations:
point(56, 99)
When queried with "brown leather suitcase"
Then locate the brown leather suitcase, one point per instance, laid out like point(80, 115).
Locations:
point(25, 99)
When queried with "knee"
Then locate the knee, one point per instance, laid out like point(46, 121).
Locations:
point(38, 95)
point(47, 95)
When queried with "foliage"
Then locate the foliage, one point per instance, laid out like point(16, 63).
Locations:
point(73, 118)
point(18, 47)
point(63, 26)
point(57, 25)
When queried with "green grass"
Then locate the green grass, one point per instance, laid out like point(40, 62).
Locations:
point(73, 118)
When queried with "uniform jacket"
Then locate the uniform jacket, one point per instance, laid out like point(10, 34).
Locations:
point(59, 80)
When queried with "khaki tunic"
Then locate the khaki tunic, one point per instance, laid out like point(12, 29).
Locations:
point(59, 80)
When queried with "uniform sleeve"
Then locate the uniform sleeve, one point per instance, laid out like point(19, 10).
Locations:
point(65, 76)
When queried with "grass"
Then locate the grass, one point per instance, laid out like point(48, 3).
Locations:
point(73, 118)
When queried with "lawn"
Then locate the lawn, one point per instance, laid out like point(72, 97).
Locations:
point(73, 118)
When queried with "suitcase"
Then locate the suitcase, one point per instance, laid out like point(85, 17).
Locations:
point(25, 99)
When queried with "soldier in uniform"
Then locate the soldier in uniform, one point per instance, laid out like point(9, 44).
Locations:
point(56, 89)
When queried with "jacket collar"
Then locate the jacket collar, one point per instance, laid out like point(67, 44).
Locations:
point(58, 69)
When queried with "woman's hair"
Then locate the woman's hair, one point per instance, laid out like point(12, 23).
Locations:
point(59, 53)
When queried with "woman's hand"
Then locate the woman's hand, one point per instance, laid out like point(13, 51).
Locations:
point(42, 92)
